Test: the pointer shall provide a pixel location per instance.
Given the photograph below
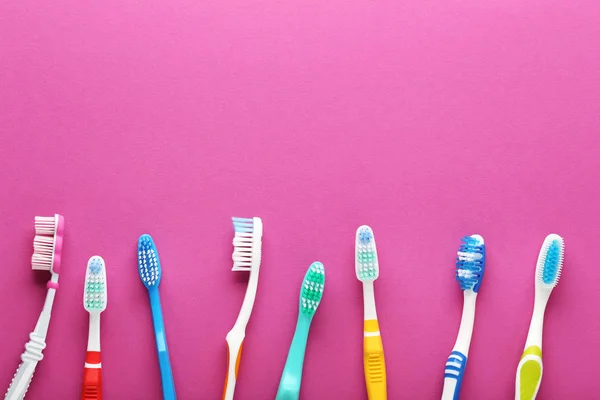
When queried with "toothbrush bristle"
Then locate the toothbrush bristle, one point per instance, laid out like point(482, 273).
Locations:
point(94, 293)
point(312, 289)
point(367, 263)
point(247, 243)
point(470, 263)
point(45, 243)
point(148, 262)
point(551, 261)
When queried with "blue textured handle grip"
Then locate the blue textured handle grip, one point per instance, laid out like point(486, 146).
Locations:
point(166, 375)
point(455, 369)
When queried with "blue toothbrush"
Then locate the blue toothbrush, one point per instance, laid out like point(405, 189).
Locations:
point(150, 272)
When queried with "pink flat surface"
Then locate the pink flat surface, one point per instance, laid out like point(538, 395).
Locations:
point(427, 120)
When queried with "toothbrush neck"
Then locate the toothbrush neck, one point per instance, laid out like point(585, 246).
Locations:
point(369, 300)
point(534, 336)
point(94, 332)
point(155, 301)
point(289, 386)
point(41, 327)
point(249, 297)
point(467, 321)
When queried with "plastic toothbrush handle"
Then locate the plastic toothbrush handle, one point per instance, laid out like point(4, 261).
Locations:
point(166, 375)
point(457, 361)
point(529, 374)
point(375, 374)
point(21, 381)
point(92, 377)
point(234, 354)
point(289, 386)
point(30, 358)
point(453, 375)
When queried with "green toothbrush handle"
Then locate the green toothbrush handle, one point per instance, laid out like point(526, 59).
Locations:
point(289, 386)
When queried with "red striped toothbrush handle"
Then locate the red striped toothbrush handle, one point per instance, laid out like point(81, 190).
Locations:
point(92, 377)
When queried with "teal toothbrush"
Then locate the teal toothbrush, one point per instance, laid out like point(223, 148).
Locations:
point(310, 297)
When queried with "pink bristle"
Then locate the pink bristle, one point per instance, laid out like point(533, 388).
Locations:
point(43, 243)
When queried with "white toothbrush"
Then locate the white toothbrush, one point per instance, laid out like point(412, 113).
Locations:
point(547, 274)
point(470, 266)
point(94, 302)
point(247, 244)
point(367, 271)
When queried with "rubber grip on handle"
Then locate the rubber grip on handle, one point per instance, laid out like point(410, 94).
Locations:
point(92, 384)
point(92, 377)
point(529, 374)
point(229, 380)
point(374, 362)
point(453, 375)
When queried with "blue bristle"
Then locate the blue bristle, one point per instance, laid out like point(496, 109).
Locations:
point(365, 236)
point(552, 262)
point(470, 268)
point(245, 225)
point(95, 266)
point(148, 261)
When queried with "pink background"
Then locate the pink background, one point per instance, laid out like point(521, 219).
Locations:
point(428, 120)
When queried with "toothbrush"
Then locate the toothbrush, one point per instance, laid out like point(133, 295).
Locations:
point(547, 273)
point(310, 297)
point(247, 244)
point(150, 273)
point(94, 302)
point(367, 270)
point(470, 266)
point(47, 250)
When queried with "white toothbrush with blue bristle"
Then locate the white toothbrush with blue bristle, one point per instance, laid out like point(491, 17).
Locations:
point(470, 266)
point(547, 273)
point(247, 247)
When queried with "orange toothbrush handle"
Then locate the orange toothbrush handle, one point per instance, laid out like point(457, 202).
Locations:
point(92, 377)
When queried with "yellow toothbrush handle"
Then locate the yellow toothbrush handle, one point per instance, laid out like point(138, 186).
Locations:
point(529, 374)
point(375, 375)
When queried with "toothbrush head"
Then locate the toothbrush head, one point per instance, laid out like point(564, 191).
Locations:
point(312, 289)
point(366, 263)
point(148, 262)
point(470, 263)
point(247, 243)
point(48, 243)
point(94, 292)
point(550, 261)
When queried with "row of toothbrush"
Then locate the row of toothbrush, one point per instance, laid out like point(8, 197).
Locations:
point(247, 242)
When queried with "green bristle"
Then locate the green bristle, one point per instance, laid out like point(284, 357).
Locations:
point(94, 298)
point(312, 289)
point(367, 265)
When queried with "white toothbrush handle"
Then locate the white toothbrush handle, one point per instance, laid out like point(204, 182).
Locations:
point(21, 381)
point(33, 350)
point(235, 337)
point(24, 374)
point(457, 361)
